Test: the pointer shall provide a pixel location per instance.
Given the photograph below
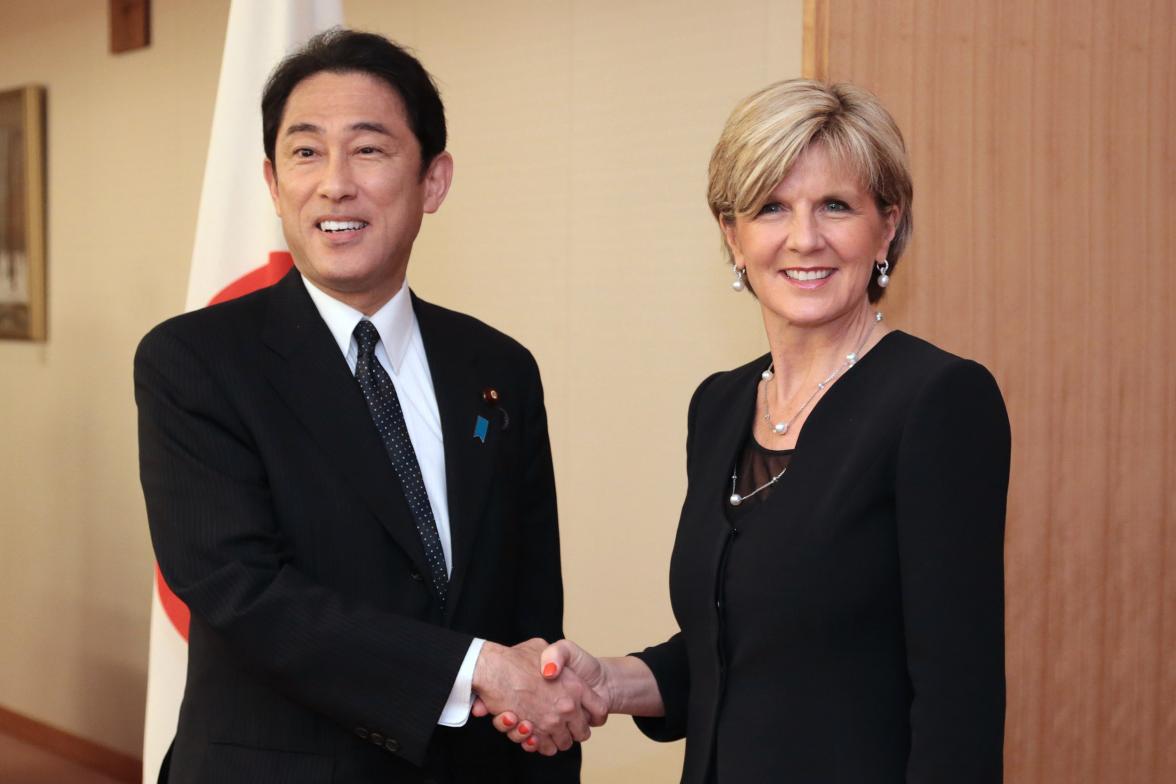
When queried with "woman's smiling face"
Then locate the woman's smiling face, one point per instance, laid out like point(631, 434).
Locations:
point(810, 250)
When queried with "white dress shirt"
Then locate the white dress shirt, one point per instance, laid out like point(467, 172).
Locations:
point(401, 352)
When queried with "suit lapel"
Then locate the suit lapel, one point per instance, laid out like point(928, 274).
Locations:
point(312, 377)
point(469, 461)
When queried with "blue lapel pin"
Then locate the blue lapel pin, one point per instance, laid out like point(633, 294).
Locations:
point(481, 424)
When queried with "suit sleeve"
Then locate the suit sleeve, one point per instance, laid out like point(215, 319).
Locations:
point(668, 661)
point(951, 489)
point(671, 670)
point(222, 551)
point(540, 580)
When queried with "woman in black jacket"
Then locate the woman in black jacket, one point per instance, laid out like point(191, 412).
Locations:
point(837, 575)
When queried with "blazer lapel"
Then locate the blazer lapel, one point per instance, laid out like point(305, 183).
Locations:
point(720, 432)
point(312, 377)
point(469, 460)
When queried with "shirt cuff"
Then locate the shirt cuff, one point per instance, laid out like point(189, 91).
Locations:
point(457, 708)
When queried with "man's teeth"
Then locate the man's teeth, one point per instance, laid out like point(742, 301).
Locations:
point(797, 274)
point(331, 225)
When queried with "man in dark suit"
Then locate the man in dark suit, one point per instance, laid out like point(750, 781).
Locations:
point(349, 487)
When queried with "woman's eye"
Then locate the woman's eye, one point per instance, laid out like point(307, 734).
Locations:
point(835, 205)
point(770, 208)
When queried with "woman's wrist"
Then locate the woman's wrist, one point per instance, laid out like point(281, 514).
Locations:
point(629, 687)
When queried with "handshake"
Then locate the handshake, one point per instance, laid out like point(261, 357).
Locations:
point(542, 696)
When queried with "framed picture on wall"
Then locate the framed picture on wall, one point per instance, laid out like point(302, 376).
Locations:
point(22, 213)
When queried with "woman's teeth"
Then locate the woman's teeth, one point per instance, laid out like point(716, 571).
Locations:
point(799, 274)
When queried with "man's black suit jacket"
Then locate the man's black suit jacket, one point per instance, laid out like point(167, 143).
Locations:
point(317, 653)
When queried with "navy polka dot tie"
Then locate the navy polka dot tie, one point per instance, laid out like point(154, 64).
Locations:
point(389, 419)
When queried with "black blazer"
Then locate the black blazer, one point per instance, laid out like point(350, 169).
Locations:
point(851, 629)
point(317, 653)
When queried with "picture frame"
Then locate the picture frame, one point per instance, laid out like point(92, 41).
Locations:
point(22, 214)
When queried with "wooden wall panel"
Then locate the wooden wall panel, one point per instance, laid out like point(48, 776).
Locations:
point(1040, 134)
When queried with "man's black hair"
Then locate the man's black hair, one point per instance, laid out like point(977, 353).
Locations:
point(346, 51)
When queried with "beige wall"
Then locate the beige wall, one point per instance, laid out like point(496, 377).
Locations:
point(127, 137)
point(577, 223)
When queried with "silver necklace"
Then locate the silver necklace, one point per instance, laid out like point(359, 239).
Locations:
point(737, 499)
point(781, 428)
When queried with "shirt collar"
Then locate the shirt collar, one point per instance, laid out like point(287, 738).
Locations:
point(394, 321)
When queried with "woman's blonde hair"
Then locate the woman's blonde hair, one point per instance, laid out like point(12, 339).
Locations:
point(769, 130)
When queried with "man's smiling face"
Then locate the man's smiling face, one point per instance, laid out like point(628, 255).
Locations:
point(346, 181)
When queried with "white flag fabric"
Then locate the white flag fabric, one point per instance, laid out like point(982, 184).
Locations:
point(238, 248)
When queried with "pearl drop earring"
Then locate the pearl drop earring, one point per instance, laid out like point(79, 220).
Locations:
point(737, 284)
point(883, 267)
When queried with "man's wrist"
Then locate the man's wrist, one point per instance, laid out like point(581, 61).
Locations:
point(485, 666)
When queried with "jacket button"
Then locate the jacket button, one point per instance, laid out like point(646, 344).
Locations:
point(416, 576)
point(377, 738)
point(392, 745)
point(361, 732)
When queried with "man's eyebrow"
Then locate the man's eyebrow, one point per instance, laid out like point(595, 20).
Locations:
point(374, 127)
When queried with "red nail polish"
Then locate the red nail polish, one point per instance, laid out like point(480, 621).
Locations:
point(531, 741)
point(507, 721)
point(524, 728)
point(549, 670)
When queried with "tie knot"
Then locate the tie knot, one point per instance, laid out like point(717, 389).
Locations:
point(366, 336)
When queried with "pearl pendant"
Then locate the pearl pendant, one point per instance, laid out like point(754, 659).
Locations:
point(766, 375)
point(850, 358)
point(735, 499)
point(883, 281)
point(737, 284)
point(780, 428)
